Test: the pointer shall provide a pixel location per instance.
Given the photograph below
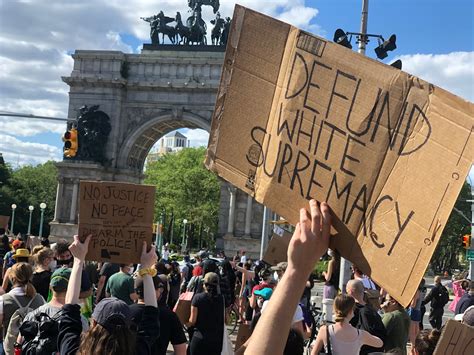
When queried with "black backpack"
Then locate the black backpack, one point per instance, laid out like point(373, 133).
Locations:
point(40, 334)
point(443, 297)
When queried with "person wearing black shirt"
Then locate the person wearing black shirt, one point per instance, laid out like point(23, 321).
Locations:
point(207, 316)
point(44, 265)
point(365, 316)
point(435, 296)
point(171, 329)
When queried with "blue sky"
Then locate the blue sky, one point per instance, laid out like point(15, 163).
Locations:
point(434, 38)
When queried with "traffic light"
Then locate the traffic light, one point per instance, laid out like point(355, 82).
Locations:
point(70, 143)
point(386, 46)
point(466, 241)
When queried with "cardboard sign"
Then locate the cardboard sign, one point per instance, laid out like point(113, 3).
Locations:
point(183, 310)
point(4, 222)
point(456, 338)
point(243, 335)
point(277, 248)
point(299, 117)
point(119, 216)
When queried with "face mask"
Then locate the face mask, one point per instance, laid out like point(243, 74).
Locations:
point(260, 302)
point(130, 271)
point(275, 276)
point(53, 264)
point(65, 261)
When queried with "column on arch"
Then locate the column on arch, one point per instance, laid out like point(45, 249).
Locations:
point(248, 216)
point(230, 225)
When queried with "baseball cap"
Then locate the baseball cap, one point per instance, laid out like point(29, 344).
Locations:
point(112, 313)
point(280, 266)
point(60, 279)
point(211, 278)
point(265, 293)
point(467, 317)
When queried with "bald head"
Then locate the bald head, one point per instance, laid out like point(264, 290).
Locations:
point(355, 288)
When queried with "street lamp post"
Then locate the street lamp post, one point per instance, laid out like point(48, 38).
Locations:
point(13, 217)
point(183, 242)
point(42, 207)
point(30, 208)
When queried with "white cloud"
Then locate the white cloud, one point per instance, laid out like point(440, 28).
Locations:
point(36, 38)
point(18, 152)
point(452, 71)
point(197, 137)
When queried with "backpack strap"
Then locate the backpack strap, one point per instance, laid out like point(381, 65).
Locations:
point(31, 301)
point(13, 297)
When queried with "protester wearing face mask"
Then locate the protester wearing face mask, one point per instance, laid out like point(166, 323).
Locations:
point(45, 264)
point(121, 285)
point(64, 258)
point(279, 270)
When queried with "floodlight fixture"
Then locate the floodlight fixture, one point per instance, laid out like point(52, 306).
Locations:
point(386, 46)
point(340, 37)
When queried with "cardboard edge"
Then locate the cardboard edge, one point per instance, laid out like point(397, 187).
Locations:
point(226, 76)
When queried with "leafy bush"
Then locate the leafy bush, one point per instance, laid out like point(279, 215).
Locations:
point(321, 266)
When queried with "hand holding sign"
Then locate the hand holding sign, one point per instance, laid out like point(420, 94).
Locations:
point(310, 239)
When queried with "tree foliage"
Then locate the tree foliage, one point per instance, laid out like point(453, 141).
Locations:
point(446, 255)
point(185, 189)
point(28, 185)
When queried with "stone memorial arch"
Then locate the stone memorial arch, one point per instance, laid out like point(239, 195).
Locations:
point(146, 96)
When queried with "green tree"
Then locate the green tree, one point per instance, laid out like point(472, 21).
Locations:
point(30, 185)
point(446, 255)
point(186, 189)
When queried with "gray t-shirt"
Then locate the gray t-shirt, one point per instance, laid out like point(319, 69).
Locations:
point(52, 311)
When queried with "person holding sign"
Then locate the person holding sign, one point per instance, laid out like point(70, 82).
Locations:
point(110, 331)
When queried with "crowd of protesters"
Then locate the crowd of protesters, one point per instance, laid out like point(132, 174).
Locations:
point(52, 300)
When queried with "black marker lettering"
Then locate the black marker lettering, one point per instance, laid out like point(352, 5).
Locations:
point(345, 155)
point(299, 169)
point(312, 180)
point(313, 84)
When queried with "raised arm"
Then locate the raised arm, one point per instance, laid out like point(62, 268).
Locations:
point(78, 251)
point(147, 260)
point(309, 242)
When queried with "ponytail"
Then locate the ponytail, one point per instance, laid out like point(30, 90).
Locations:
point(211, 290)
point(30, 290)
point(20, 275)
